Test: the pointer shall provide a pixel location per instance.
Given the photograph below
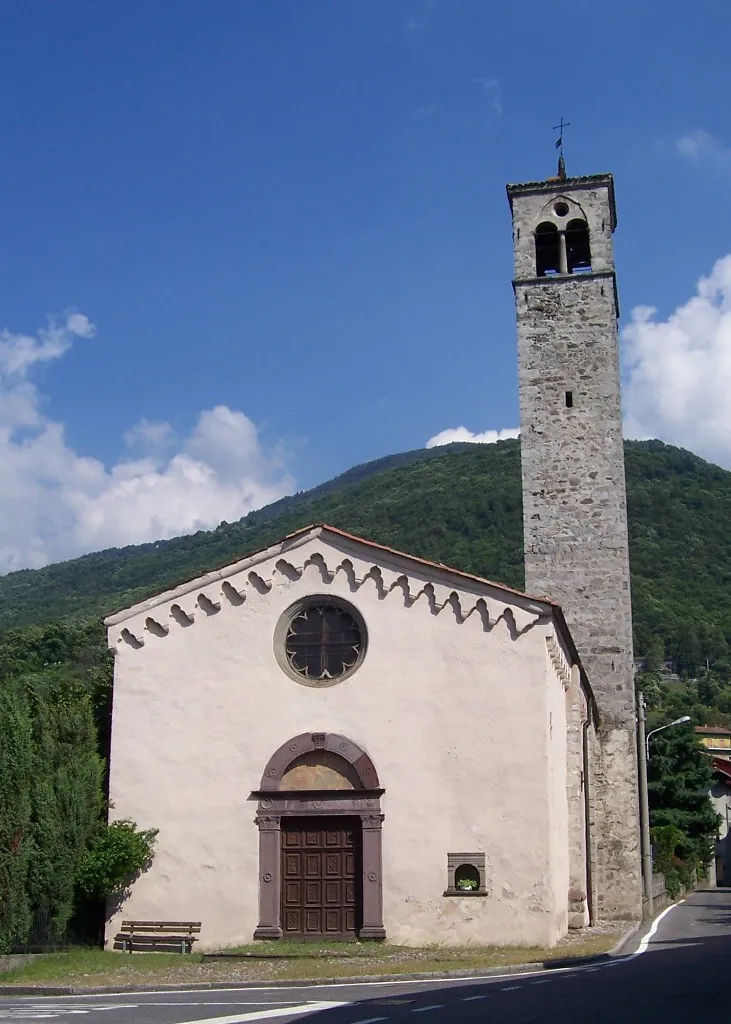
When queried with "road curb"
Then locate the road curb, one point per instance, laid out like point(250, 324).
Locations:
point(207, 986)
point(630, 933)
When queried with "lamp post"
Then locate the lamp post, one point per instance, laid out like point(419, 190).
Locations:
point(644, 756)
point(678, 721)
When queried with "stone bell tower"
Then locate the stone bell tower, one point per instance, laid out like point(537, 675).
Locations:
point(574, 497)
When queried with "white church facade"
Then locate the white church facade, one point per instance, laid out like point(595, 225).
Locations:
point(339, 740)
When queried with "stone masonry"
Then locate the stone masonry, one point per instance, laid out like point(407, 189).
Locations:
point(574, 496)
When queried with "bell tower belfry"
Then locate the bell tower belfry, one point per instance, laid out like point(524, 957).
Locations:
point(574, 496)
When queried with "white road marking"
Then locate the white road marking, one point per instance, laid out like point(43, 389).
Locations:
point(36, 1013)
point(47, 1011)
point(510, 988)
point(369, 1020)
point(650, 935)
point(471, 999)
point(205, 1002)
point(281, 1011)
point(51, 1005)
point(28, 1016)
point(423, 1009)
point(148, 998)
point(143, 997)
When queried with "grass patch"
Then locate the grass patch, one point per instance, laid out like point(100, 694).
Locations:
point(89, 964)
point(311, 950)
point(87, 968)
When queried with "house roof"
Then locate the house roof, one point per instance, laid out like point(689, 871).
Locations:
point(722, 768)
point(711, 730)
point(324, 529)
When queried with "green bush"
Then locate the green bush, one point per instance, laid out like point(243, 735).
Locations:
point(116, 855)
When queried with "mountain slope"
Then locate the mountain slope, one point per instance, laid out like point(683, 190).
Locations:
point(460, 506)
point(403, 504)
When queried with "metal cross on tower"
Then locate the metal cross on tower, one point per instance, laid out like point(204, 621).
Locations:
point(559, 128)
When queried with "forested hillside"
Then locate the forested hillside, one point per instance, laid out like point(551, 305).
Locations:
point(460, 506)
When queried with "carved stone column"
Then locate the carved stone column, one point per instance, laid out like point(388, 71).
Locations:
point(270, 882)
point(372, 927)
point(563, 255)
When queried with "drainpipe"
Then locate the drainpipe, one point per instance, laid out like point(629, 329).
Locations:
point(587, 825)
point(644, 803)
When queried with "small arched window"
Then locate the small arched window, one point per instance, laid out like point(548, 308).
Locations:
point(548, 253)
point(578, 250)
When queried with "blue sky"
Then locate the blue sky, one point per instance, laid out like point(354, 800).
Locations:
point(282, 233)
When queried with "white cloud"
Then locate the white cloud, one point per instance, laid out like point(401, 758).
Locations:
point(452, 434)
point(56, 503)
point(150, 437)
point(678, 370)
point(700, 147)
point(18, 352)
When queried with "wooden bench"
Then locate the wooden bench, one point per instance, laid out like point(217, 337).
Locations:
point(150, 933)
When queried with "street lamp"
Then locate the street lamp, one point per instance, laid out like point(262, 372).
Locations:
point(644, 746)
point(678, 721)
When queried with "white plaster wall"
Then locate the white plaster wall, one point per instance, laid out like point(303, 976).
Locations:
point(557, 682)
point(456, 720)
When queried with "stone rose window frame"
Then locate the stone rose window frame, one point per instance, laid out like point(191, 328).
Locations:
point(275, 804)
point(337, 643)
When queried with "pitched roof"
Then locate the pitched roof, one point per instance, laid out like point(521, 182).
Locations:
point(712, 730)
point(318, 529)
point(293, 540)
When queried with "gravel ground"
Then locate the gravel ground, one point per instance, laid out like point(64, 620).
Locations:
point(94, 968)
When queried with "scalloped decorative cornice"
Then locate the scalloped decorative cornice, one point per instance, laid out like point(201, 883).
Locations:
point(234, 584)
point(318, 574)
point(346, 543)
point(559, 661)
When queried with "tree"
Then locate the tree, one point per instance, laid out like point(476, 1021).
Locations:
point(66, 795)
point(689, 653)
point(679, 783)
point(709, 688)
point(650, 685)
point(654, 654)
point(16, 843)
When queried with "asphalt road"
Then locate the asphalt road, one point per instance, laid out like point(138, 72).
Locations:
point(682, 976)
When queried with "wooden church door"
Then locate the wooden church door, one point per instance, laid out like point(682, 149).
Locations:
point(321, 878)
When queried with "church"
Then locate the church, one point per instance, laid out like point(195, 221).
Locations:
point(340, 740)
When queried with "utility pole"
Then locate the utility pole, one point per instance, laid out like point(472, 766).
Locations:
point(644, 804)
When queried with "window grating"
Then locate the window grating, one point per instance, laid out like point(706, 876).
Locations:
point(323, 642)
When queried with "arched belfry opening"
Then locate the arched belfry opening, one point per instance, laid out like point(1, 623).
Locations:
point(578, 248)
point(548, 250)
point(564, 248)
point(320, 860)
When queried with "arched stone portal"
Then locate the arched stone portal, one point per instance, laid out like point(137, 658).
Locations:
point(327, 781)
